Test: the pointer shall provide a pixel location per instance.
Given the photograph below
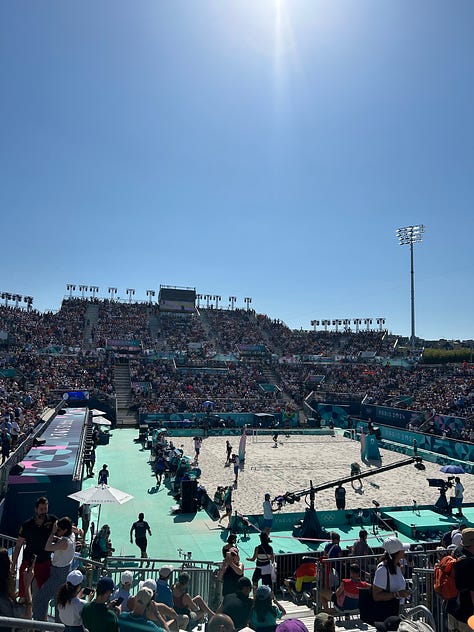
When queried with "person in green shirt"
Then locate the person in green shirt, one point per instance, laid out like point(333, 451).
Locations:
point(98, 615)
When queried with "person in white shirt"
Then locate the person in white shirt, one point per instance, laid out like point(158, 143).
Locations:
point(62, 542)
point(70, 603)
point(267, 514)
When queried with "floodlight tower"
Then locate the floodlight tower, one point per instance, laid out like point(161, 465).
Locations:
point(409, 235)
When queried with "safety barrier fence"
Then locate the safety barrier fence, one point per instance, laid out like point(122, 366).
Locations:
point(203, 574)
point(418, 570)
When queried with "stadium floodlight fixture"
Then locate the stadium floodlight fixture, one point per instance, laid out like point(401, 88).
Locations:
point(150, 294)
point(83, 289)
point(314, 324)
point(113, 292)
point(368, 322)
point(381, 323)
point(357, 322)
point(232, 300)
point(130, 291)
point(217, 298)
point(407, 236)
point(70, 287)
point(247, 301)
point(94, 289)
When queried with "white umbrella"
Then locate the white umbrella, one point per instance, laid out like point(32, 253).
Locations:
point(101, 495)
point(97, 413)
point(100, 421)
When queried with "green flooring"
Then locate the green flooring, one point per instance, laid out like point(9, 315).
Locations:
point(130, 471)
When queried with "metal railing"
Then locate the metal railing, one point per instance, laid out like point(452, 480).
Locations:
point(203, 574)
point(12, 623)
point(418, 572)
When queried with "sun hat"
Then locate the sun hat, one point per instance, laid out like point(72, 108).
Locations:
point(393, 545)
point(166, 570)
point(148, 583)
point(263, 592)
point(75, 578)
point(144, 596)
point(126, 577)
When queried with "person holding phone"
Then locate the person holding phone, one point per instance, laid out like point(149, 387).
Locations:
point(62, 543)
point(70, 602)
point(100, 615)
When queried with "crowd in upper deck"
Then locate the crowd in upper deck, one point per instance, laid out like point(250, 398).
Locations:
point(48, 350)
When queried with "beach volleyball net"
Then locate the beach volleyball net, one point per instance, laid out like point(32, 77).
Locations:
point(293, 435)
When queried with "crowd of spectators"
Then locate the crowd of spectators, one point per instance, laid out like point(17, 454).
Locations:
point(235, 389)
point(47, 352)
point(124, 321)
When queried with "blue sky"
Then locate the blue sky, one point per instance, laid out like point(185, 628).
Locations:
point(250, 148)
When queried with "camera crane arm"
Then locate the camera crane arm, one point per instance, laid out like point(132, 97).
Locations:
point(311, 492)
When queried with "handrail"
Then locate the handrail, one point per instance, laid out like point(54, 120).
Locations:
point(27, 624)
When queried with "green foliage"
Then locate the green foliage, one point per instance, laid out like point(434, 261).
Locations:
point(445, 356)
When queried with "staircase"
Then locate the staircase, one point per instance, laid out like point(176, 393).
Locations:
point(122, 383)
point(209, 332)
point(90, 321)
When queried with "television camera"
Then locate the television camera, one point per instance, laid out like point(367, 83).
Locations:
point(442, 504)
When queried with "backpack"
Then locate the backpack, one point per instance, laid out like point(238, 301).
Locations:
point(444, 583)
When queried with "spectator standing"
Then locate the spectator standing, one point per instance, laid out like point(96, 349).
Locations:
point(6, 444)
point(34, 534)
point(62, 543)
point(230, 572)
point(360, 546)
point(263, 556)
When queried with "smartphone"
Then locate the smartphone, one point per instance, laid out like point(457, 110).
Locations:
point(118, 602)
point(87, 590)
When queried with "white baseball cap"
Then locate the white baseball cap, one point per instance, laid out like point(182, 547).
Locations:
point(393, 545)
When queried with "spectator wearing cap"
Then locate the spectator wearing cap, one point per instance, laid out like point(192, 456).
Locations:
point(389, 585)
point(97, 616)
point(163, 589)
point(237, 605)
point(265, 611)
point(461, 609)
point(123, 591)
point(70, 603)
point(138, 619)
point(230, 572)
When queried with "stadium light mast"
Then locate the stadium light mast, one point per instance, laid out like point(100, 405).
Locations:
point(232, 300)
point(409, 235)
point(150, 294)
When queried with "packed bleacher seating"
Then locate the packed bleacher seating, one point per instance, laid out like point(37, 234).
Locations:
point(47, 351)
